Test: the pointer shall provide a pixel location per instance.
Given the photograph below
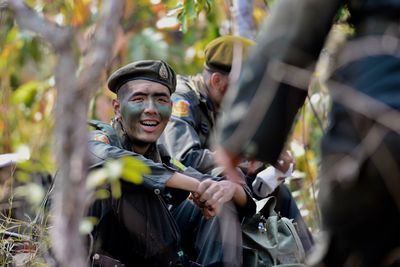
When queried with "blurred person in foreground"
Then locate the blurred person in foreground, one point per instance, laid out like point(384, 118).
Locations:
point(359, 176)
point(190, 133)
point(138, 229)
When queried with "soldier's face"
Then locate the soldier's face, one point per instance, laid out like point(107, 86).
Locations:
point(219, 84)
point(144, 108)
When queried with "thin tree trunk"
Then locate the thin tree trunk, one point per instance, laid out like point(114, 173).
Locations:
point(74, 91)
point(243, 24)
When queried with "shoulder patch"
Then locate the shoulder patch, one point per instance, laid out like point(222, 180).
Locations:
point(102, 138)
point(180, 108)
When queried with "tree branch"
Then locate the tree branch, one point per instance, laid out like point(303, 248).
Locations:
point(29, 19)
point(95, 61)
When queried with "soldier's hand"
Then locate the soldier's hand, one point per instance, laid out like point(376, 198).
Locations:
point(207, 211)
point(214, 194)
point(255, 166)
point(284, 161)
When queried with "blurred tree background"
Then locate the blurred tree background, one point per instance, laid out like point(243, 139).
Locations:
point(173, 30)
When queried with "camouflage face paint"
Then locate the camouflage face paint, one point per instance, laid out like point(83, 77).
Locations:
point(145, 110)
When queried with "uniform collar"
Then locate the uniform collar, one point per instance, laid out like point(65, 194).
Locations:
point(201, 88)
point(152, 152)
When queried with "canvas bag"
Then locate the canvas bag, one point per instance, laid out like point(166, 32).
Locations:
point(269, 239)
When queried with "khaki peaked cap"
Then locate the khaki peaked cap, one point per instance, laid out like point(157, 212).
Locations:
point(220, 52)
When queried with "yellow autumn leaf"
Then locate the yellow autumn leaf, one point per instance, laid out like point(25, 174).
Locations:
point(132, 176)
point(81, 12)
point(133, 169)
point(132, 163)
point(102, 194)
point(116, 189)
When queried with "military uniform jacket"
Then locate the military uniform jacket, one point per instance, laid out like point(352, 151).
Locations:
point(140, 217)
point(189, 133)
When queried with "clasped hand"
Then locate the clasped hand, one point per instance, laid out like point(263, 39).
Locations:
point(211, 195)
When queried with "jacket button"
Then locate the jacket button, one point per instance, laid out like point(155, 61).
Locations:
point(157, 191)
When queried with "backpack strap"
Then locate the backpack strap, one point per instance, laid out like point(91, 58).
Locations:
point(266, 206)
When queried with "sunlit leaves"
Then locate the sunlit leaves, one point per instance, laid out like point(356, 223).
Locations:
point(304, 144)
point(32, 192)
point(9, 49)
point(26, 93)
point(127, 168)
point(81, 12)
point(133, 170)
point(86, 225)
point(96, 178)
point(189, 11)
point(148, 44)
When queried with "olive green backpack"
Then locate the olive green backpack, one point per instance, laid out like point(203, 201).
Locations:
point(270, 240)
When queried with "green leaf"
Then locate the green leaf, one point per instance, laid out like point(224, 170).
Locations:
point(184, 22)
point(23, 176)
point(34, 49)
point(132, 176)
point(102, 194)
point(12, 35)
point(96, 178)
point(113, 169)
point(208, 5)
point(32, 192)
point(133, 170)
point(86, 226)
point(190, 9)
point(135, 164)
point(26, 93)
point(116, 189)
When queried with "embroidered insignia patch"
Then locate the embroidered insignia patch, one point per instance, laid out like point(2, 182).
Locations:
point(163, 72)
point(102, 138)
point(180, 108)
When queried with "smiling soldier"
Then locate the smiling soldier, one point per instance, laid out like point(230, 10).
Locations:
point(138, 229)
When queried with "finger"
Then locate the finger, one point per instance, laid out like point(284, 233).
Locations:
point(208, 212)
point(281, 179)
point(216, 198)
point(203, 186)
point(209, 193)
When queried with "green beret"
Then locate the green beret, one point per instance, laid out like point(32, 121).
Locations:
point(219, 52)
point(152, 70)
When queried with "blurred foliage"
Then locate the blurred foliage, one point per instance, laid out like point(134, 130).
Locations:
point(128, 169)
point(111, 173)
point(173, 30)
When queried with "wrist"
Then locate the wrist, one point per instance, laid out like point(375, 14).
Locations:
point(239, 195)
point(183, 182)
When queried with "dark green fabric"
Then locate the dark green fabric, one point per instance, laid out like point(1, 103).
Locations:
point(271, 240)
point(137, 228)
point(152, 70)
